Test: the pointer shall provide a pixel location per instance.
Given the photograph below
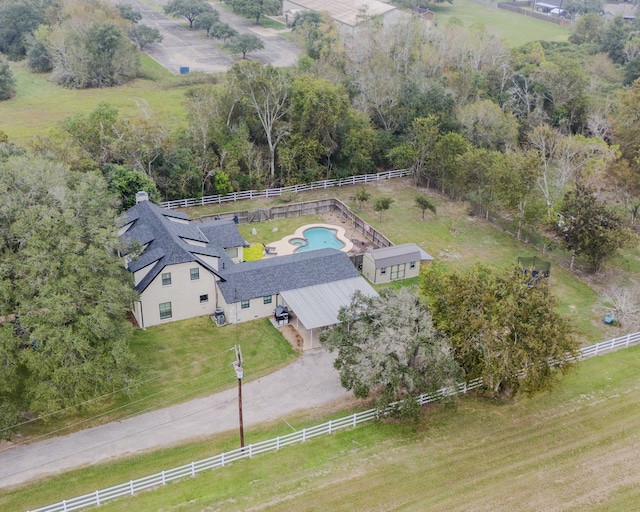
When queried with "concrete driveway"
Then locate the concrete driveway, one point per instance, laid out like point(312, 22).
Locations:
point(181, 47)
point(309, 382)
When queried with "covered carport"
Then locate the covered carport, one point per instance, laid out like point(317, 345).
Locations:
point(316, 307)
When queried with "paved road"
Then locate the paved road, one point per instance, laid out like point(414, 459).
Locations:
point(182, 47)
point(309, 382)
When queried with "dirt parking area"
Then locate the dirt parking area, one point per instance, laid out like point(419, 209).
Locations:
point(183, 48)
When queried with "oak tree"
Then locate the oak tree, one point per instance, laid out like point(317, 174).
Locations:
point(388, 347)
point(502, 329)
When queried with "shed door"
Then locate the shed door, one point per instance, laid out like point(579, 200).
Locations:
point(398, 271)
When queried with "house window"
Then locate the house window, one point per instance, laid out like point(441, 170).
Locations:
point(267, 299)
point(165, 310)
point(383, 270)
point(166, 278)
point(232, 252)
point(195, 273)
point(244, 304)
point(204, 298)
point(412, 264)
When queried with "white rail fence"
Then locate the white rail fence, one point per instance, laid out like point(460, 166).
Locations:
point(276, 192)
point(192, 469)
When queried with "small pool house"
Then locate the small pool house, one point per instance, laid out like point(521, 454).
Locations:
point(392, 263)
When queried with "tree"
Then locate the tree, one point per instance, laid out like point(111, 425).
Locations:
point(207, 20)
point(424, 203)
point(124, 182)
point(588, 228)
point(381, 205)
point(245, 43)
point(95, 133)
point(223, 31)
point(127, 12)
point(189, 9)
point(502, 329)
point(38, 56)
point(361, 196)
point(485, 125)
point(89, 52)
point(255, 8)
point(63, 279)
point(7, 82)
point(587, 29)
point(515, 184)
point(387, 346)
point(265, 90)
point(143, 35)
point(318, 110)
point(18, 20)
point(613, 39)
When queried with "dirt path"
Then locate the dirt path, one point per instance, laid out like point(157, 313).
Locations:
point(309, 382)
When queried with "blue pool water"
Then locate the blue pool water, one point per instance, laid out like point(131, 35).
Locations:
point(317, 238)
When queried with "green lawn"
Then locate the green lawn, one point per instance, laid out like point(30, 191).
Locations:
point(184, 360)
point(569, 450)
point(515, 29)
point(39, 104)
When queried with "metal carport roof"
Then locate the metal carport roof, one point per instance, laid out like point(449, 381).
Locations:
point(318, 306)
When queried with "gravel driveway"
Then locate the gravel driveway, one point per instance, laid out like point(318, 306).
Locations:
point(181, 47)
point(309, 382)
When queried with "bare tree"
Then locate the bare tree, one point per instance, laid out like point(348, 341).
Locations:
point(266, 91)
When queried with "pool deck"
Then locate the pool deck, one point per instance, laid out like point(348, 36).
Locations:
point(282, 246)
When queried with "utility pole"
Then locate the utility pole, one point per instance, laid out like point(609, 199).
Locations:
point(237, 365)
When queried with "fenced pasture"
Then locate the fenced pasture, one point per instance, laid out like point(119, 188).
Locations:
point(162, 478)
point(513, 28)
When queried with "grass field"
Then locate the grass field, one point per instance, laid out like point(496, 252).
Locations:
point(40, 105)
point(572, 450)
point(184, 360)
point(514, 29)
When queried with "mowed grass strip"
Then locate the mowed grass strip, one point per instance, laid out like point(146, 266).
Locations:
point(513, 28)
point(183, 360)
point(573, 449)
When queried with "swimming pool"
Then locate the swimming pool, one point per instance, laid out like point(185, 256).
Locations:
point(317, 238)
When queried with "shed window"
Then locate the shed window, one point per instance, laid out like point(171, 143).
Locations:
point(383, 270)
point(204, 298)
point(165, 310)
point(166, 278)
point(412, 264)
point(244, 304)
point(195, 273)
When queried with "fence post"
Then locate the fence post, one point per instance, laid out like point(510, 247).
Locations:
point(164, 480)
point(193, 469)
point(329, 426)
point(304, 435)
point(222, 459)
point(628, 340)
point(278, 443)
point(98, 498)
point(131, 487)
point(64, 505)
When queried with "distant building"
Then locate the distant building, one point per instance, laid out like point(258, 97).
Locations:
point(348, 14)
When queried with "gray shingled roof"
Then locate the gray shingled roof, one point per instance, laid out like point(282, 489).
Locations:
point(396, 254)
point(245, 281)
point(152, 225)
point(224, 232)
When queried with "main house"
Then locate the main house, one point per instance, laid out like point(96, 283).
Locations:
point(183, 269)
